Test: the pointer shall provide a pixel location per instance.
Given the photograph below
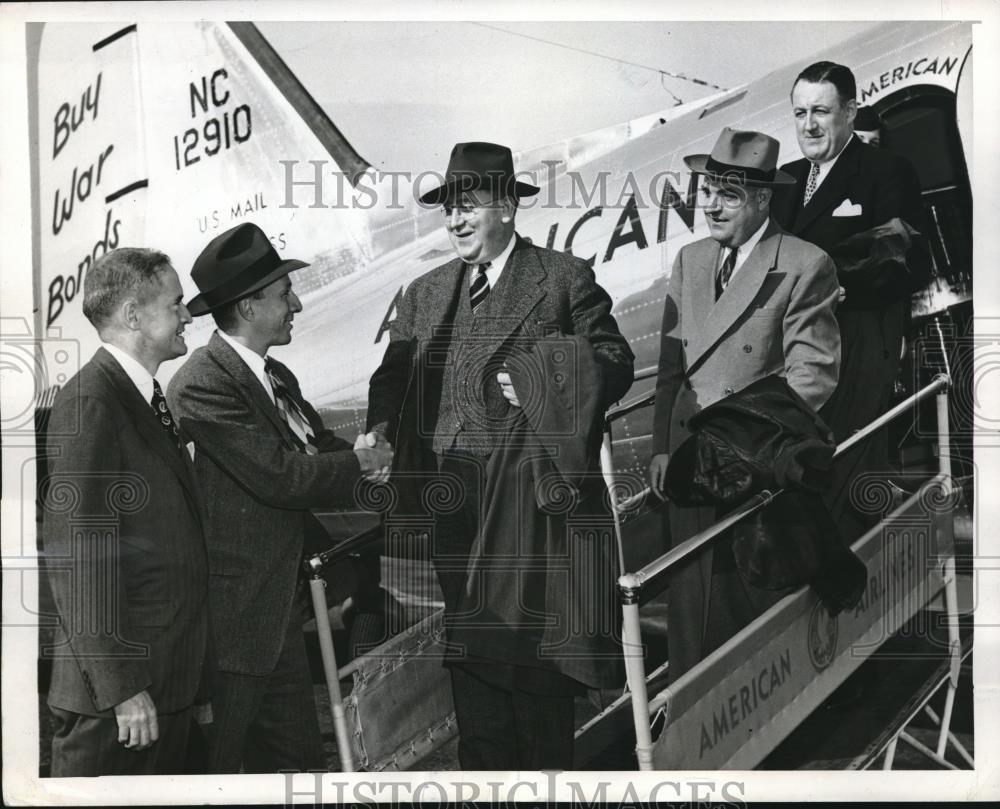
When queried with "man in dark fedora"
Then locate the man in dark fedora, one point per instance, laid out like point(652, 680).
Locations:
point(446, 396)
point(263, 458)
point(868, 127)
point(747, 302)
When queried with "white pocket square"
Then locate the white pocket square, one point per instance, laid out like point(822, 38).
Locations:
point(847, 208)
point(190, 449)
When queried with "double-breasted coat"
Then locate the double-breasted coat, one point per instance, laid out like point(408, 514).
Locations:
point(776, 316)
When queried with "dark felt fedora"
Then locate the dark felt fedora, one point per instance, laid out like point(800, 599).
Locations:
point(745, 157)
point(479, 166)
point(867, 120)
point(234, 264)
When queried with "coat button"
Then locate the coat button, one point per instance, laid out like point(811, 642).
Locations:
point(747, 348)
point(681, 422)
point(684, 342)
point(728, 391)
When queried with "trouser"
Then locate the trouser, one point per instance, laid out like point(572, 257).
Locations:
point(267, 723)
point(509, 716)
point(88, 746)
point(508, 727)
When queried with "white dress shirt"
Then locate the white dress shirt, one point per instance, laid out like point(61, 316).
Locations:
point(496, 264)
point(824, 168)
point(254, 361)
point(745, 250)
point(133, 369)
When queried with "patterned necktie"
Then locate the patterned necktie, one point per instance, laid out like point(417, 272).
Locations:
point(480, 286)
point(159, 403)
point(302, 431)
point(726, 271)
point(811, 183)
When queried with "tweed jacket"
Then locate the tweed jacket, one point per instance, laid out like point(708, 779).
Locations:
point(124, 550)
point(257, 488)
point(775, 317)
point(547, 293)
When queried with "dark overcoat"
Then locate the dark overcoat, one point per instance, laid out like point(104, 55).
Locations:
point(866, 188)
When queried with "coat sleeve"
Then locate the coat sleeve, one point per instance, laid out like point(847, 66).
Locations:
point(670, 371)
point(811, 336)
point(225, 425)
point(899, 195)
point(590, 308)
point(387, 386)
point(82, 559)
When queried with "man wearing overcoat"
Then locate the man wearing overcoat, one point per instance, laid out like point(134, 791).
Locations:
point(453, 389)
point(746, 302)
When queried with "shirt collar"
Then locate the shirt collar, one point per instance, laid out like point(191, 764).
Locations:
point(254, 361)
point(498, 262)
point(133, 369)
point(746, 248)
point(824, 168)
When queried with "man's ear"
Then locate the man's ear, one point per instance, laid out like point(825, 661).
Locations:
point(509, 209)
point(852, 111)
point(245, 308)
point(129, 311)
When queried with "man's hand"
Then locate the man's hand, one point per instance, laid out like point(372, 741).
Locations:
point(137, 724)
point(375, 456)
point(507, 387)
point(658, 473)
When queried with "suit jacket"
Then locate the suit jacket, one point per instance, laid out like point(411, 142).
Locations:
point(124, 548)
point(874, 185)
point(541, 294)
point(258, 488)
point(548, 293)
point(775, 317)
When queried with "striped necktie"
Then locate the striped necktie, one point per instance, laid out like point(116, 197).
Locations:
point(480, 286)
point(812, 183)
point(302, 431)
point(726, 272)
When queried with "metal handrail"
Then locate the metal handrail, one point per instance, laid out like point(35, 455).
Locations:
point(658, 566)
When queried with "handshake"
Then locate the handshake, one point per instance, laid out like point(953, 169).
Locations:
point(375, 456)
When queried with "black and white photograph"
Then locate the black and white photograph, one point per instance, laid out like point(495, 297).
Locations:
point(464, 402)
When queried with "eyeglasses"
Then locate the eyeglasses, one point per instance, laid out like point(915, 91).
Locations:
point(468, 210)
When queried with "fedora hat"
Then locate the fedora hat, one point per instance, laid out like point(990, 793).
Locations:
point(750, 158)
point(234, 264)
point(477, 166)
point(867, 119)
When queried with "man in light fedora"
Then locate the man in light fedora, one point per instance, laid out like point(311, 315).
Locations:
point(452, 388)
point(263, 458)
point(747, 302)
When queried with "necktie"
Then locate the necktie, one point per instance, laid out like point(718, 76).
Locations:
point(159, 403)
point(726, 271)
point(302, 432)
point(480, 286)
point(811, 183)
